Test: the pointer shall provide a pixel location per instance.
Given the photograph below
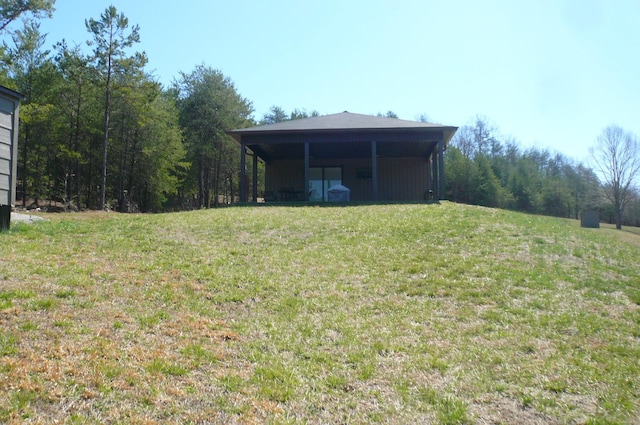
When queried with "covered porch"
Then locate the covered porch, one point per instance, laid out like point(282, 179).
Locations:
point(377, 158)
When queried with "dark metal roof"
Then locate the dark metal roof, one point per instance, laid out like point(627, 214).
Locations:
point(343, 122)
point(11, 93)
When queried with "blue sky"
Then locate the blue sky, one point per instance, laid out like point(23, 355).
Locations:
point(547, 73)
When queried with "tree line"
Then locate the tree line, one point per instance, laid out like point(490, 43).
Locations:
point(486, 169)
point(98, 131)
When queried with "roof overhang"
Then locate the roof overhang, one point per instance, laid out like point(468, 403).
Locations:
point(7, 92)
point(345, 134)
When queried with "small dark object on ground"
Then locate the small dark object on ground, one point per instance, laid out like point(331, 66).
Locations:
point(590, 219)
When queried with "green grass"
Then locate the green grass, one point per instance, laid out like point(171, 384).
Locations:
point(446, 314)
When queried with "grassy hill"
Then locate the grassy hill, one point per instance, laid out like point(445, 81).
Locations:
point(358, 314)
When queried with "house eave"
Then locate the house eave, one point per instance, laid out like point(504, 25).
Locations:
point(14, 95)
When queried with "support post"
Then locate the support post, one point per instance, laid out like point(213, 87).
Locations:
point(243, 173)
point(374, 169)
point(255, 178)
point(434, 175)
point(441, 168)
point(305, 187)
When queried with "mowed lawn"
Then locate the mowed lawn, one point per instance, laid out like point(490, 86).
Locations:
point(399, 314)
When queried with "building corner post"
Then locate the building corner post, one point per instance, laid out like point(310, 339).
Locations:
point(255, 178)
point(441, 195)
point(374, 170)
point(305, 187)
point(434, 175)
point(243, 173)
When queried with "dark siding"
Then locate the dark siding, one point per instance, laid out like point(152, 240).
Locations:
point(399, 179)
point(7, 154)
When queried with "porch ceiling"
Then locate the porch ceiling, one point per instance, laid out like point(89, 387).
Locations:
point(350, 150)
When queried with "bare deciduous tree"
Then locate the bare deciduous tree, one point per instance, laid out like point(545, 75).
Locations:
point(616, 160)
